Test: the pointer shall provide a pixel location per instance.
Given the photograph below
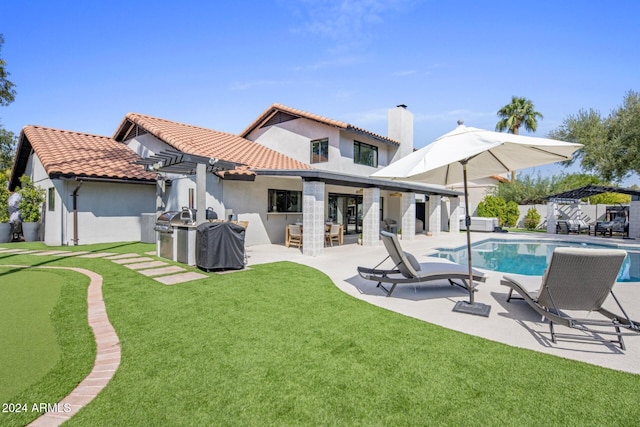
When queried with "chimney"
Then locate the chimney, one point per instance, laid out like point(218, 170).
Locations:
point(401, 130)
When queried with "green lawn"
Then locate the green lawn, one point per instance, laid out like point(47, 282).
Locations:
point(47, 345)
point(30, 347)
point(281, 345)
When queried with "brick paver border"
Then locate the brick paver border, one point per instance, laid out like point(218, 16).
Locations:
point(107, 354)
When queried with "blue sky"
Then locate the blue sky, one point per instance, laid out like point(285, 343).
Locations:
point(82, 65)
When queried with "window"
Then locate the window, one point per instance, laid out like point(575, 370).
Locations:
point(320, 150)
point(284, 201)
point(365, 154)
point(51, 199)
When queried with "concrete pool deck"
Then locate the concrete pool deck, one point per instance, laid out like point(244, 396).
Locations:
point(513, 323)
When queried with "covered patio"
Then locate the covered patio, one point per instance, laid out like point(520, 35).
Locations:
point(574, 196)
point(314, 205)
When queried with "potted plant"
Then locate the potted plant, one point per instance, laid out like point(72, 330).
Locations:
point(5, 227)
point(30, 208)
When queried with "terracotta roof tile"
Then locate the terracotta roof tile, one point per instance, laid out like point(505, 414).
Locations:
point(269, 112)
point(80, 154)
point(211, 143)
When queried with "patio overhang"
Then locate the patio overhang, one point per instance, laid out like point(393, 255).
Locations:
point(592, 190)
point(334, 178)
point(173, 161)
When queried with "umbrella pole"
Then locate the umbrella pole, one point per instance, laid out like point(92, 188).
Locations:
point(470, 307)
point(467, 221)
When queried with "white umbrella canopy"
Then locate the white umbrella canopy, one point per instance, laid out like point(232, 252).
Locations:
point(487, 153)
point(468, 153)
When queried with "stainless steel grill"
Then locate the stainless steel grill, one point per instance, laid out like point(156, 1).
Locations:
point(176, 235)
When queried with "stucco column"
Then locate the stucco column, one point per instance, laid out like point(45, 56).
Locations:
point(313, 218)
point(160, 191)
point(435, 222)
point(634, 217)
point(455, 210)
point(552, 218)
point(371, 217)
point(408, 212)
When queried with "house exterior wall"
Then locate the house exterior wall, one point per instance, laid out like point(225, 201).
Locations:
point(478, 189)
point(249, 202)
point(107, 212)
point(115, 207)
point(294, 137)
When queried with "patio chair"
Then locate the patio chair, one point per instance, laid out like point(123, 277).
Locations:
point(294, 236)
point(579, 280)
point(407, 270)
point(333, 234)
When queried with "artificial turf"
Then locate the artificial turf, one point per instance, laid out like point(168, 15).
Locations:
point(280, 345)
point(47, 345)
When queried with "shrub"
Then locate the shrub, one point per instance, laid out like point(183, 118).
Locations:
point(4, 199)
point(496, 207)
point(511, 214)
point(531, 219)
point(32, 199)
point(492, 207)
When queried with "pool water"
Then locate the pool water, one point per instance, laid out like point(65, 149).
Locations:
point(530, 257)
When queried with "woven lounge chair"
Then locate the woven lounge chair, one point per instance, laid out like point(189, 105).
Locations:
point(580, 280)
point(407, 270)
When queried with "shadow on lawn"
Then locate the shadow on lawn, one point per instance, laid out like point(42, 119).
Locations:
point(51, 259)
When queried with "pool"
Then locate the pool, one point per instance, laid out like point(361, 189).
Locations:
point(530, 257)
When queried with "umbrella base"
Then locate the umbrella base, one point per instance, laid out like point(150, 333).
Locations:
point(477, 308)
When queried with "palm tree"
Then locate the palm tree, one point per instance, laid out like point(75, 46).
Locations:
point(520, 112)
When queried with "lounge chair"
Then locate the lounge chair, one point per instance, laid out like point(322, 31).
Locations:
point(407, 269)
point(577, 279)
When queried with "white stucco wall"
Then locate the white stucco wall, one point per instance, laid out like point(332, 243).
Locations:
point(294, 137)
point(107, 212)
point(249, 202)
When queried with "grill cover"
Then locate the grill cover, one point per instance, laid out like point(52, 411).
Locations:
point(220, 246)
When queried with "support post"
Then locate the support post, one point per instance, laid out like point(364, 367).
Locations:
point(201, 193)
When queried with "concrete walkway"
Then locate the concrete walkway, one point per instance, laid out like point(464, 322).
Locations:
point(513, 323)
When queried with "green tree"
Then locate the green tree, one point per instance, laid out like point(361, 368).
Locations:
point(611, 145)
point(520, 112)
point(531, 219)
point(7, 96)
point(7, 148)
point(7, 91)
point(32, 198)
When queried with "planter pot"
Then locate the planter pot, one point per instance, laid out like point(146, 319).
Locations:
point(5, 232)
point(30, 231)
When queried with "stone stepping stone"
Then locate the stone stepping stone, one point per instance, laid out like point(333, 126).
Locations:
point(144, 265)
point(150, 253)
point(131, 260)
point(122, 256)
point(161, 271)
point(180, 278)
point(97, 255)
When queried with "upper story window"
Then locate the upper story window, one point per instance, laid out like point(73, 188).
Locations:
point(320, 150)
point(365, 154)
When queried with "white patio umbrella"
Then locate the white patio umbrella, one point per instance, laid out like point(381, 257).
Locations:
point(468, 153)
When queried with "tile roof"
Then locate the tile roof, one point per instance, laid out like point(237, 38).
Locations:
point(70, 153)
point(275, 108)
point(211, 143)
